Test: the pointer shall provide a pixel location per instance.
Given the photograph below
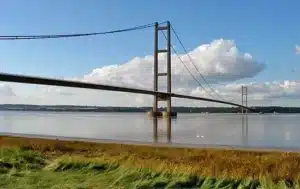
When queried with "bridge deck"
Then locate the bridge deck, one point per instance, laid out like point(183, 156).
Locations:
point(75, 84)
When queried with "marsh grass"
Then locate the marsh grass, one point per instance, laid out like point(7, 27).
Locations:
point(36, 163)
point(14, 159)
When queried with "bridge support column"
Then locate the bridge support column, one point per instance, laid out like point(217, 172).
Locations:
point(156, 75)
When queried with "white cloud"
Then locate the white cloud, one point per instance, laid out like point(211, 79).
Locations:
point(297, 49)
point(53, 90)
point(266, 93)
point(262, 93)
point(218, 61)
point(6, 90)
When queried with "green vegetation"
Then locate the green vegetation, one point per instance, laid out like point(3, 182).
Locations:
point(40, 163)
point(27, 169)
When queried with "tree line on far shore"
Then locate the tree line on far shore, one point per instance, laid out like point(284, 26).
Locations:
point(70, 108)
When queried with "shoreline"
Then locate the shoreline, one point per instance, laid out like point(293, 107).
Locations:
point(156, 144)
point(142, 112)
point(144, 109)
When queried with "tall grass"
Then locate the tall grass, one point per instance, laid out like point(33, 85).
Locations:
point(16, 159)
point(35, 170)
point(135, 166)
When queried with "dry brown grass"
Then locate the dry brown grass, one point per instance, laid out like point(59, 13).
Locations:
point(205, 162)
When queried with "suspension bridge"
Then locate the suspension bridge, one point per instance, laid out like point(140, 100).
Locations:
point(165, 28)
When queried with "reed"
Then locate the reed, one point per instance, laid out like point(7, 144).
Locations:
point(29, 169)
point(208, 166)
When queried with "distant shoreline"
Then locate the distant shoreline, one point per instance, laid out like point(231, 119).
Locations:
point(73, 108)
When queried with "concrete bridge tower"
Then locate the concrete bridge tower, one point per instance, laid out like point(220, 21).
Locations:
point(167, 98)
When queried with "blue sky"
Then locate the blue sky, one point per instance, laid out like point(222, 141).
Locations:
point(268, 30)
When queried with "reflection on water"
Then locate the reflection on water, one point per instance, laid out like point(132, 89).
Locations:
point(156, 131)
point(168, 121)
point(155, 134)
point(245, 129)
point(253, 130)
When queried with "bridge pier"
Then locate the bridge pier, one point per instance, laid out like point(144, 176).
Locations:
point(169, 114)
point(164, 114)
point(155, 114)
point(157, 98)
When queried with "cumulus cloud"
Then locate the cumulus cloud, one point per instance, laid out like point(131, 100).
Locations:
point(259, 93)
point(283, 93)
point(267, 91)
point(218, 61)
point(6, 90)
point(53, 90)
point(297, 49)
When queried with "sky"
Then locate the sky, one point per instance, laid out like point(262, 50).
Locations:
point(233, 43)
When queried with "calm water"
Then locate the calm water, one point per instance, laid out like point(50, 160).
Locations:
point(268, 130)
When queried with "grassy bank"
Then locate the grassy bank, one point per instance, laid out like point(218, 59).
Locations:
point(41, 163)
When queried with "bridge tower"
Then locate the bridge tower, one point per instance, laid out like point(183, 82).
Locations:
point(167, 98)
point(244, 98)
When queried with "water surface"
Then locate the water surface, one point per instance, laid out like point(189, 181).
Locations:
point(254, 130)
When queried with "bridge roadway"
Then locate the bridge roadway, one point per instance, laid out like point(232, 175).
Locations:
point(75, 84)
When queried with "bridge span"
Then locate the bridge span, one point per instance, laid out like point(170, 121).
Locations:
point(158, 96)
point(76, 84)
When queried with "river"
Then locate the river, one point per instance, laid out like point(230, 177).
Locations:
point(253, 130)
